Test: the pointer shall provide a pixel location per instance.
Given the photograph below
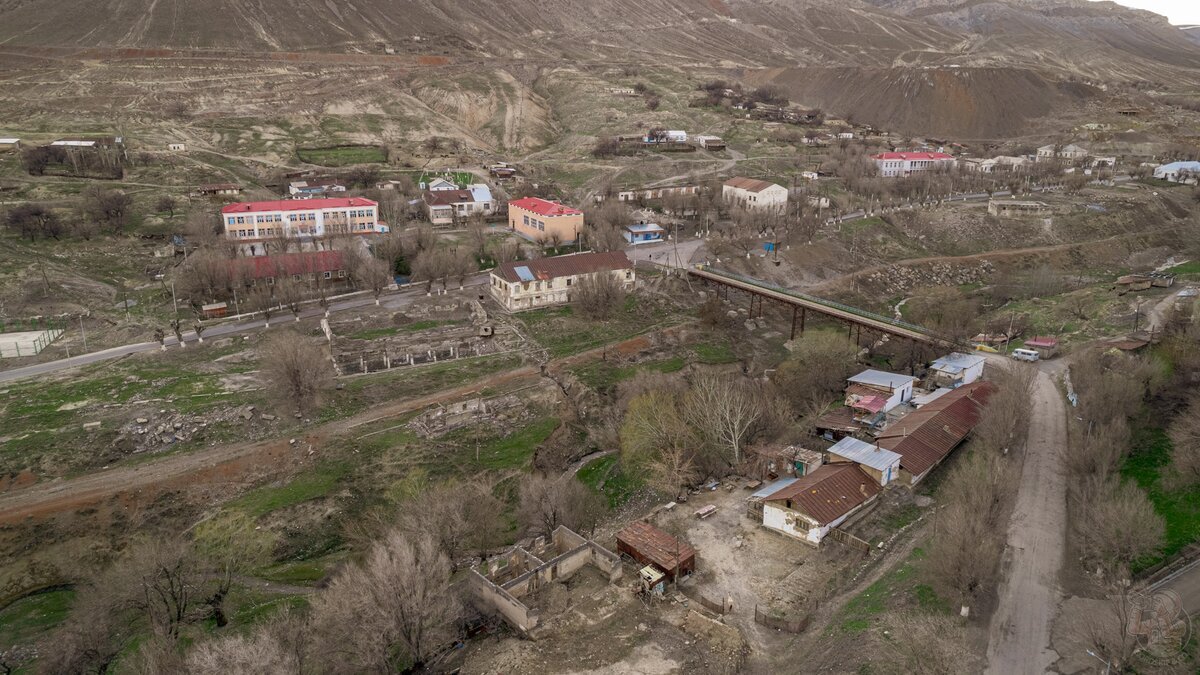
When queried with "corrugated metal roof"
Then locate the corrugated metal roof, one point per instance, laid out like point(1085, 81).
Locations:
point(864, 453)
point(749, 184)
point(772, 487)
point(565, 265)
point(925, 399)
point(924, 437)
point(655, 545)
point(879, 378)
point(956, 362)
point(829, 493)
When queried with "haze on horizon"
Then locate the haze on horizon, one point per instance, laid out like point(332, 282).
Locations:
point(1178, 12)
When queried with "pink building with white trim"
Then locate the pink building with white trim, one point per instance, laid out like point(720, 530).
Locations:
point(907, 163)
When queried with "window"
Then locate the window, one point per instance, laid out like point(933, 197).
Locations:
point(230, 221)
point(526, 219)
point(568, 281)
point(629, 275)
point(270, 281)
point(341, 274)
point(295, 277)
point(329, 275)
point(241, 220)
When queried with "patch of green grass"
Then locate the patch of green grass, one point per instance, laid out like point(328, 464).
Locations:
point(304, 487)
point(256, 611)
point(562, 333)
point(606, 476)
point(902, 517)
point(343, 155)
point(516, 449)
point(304, 573)
point(895, 587)
point(34, 615)
point(1179, 508)
point(600, 375)
point(714, 353)
point(1190, 268)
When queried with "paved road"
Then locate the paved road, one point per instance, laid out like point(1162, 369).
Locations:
point(1019, 640)
point(394, 300)
point(1187, 584)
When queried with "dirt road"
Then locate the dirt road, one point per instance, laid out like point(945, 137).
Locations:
point(1019, 640)
point(227, 463)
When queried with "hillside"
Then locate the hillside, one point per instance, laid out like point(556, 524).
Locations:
point(972, 69)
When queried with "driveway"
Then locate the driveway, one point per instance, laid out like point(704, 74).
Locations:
point(1019, 637)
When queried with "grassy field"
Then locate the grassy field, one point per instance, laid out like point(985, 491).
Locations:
point(33, 615)
point(1179, 508)
point(604, 475)
point(458, 177)
point(899, 587)
point(343, 155)
point(307, 486)
point(562, 333)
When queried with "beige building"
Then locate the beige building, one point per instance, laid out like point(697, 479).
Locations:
point(543, 221)
point(530, 284)
point(754, 194)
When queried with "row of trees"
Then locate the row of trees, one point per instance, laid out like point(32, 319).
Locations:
point(98, 209)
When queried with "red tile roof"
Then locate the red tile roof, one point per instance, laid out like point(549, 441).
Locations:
point(544, 207)
point(829, 493)
point(1041, 341)
point(913, 155)
point(288, 264)
point(924, 437)
point(654, 545)
point(749, 184)
point(298, 205)
point(565, 265)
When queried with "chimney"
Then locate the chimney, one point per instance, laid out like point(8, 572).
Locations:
point(863, 489)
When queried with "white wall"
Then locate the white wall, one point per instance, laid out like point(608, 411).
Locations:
point(776, 518)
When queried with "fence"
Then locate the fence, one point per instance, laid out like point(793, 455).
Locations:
point(844, 537)
point(780, 623)
point(709, 604)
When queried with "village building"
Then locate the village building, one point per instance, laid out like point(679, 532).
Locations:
point(1108, 162)
point(668, 136)
point(10, 144)
point(304, 219)
point(809, 507)
point(1009, 208)
point(642, 233)
point(1179, 172)
point(754, 194)
point(315, 187)
point(530, 284)
point(1001, 164)
point(1143, 282)
point(651, 194)
point(892, 164)
point(956, 369)
point(1067, 153)
point(176, 147)
point(809, 175)
point(882, 465)
point(439, 183)
point(771, 462)
point(710, 142)
point(878, 391)
point(311, 267)
point(926, 436)
point(1045, 345)
point(444, 207)
point(219, 189)
point(541, 220)
point(89, 142)
point(502, 171)
point(511, 578)
point(649, 545)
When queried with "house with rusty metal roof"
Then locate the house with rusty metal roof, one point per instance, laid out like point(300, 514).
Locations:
point(926, 436)
point(530, 284)
point(809, 507)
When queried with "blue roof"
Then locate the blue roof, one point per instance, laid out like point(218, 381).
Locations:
point(523, 273)
point(771, 488)
point(480, 192)
point(1175, 166)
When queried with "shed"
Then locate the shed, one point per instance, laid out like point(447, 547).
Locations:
point(1044, 345)
point(643, 233)
point(895, 388)
point(956, 369)
point(648, 545)
point(882, 465)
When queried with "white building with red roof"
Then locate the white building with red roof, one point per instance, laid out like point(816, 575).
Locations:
point(907, 163)
point(544, 221)
point(306, 219)
point(530, 284)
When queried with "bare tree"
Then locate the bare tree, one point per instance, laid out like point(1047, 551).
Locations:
point(1116, 526)
point(429, 266)
point(546, 503)
point(258, 652)
point(290, 292)
point(817, 369)
point(723, 411)
point(227, 545)
point(400, 594)
point(674, 470)
point(598, 296)
point(929, 644)
point(111, 208)
point(1185, 440)
point(460, 517)
point(371, 273)
point(298, 370)
point(262, 300)
point(33, 221)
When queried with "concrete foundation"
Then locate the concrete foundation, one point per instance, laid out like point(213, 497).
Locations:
point(27, 343)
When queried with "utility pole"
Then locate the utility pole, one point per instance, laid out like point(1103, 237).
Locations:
point(174, 302)
point(81, 330)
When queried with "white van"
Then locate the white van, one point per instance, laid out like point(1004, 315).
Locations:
point(1025, 355)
